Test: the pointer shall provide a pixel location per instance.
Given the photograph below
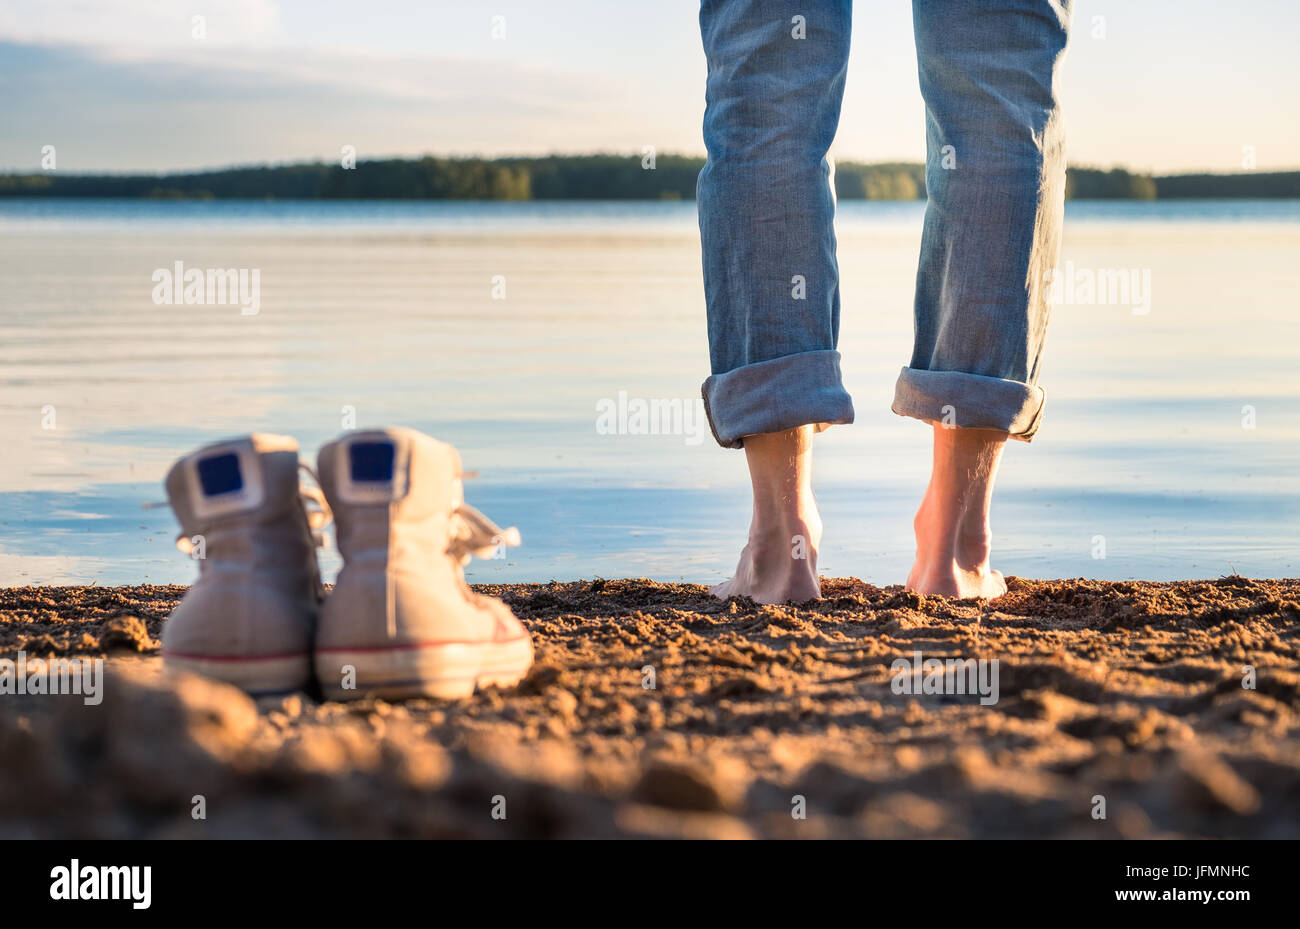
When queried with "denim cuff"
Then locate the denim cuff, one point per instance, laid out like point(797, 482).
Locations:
point(772, 396)
point(970, 401)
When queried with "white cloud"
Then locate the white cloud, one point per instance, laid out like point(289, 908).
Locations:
point(129, 108)
point(147, 23)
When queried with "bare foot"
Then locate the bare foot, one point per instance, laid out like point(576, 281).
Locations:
point(953, 538)
point(779, 565)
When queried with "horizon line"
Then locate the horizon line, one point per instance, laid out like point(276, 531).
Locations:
point(263, 165)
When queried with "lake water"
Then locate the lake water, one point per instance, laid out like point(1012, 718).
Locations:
point(1171, 439)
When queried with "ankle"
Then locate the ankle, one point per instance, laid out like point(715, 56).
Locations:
point(777, 542)
point(973, 545)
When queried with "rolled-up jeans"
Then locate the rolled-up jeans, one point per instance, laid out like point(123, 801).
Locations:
point(995, 180)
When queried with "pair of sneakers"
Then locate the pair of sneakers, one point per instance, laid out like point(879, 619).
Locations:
point(400, 621)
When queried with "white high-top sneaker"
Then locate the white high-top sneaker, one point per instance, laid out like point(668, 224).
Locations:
point(401, 621)
point(249, 618)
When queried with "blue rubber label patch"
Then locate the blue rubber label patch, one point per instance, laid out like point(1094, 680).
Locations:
point(220, 475)
point(371, 462)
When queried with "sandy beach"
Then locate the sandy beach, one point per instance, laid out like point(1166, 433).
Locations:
point(654, 710)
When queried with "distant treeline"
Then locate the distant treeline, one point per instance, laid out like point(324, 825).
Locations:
point(581, 177)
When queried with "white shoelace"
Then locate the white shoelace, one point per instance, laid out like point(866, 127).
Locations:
point(322, 515)
point(473, 535)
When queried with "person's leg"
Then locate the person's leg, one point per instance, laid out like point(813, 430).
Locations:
point(775, 81)
point(995, 177)
point(780, 562)
point(953, 536)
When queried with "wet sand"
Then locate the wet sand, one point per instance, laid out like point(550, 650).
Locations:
point(761, 722)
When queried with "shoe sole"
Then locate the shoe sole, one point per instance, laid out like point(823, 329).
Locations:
point(257, 675)
point(445, 670)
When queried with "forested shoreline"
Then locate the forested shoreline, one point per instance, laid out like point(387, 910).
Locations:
point(582, 177)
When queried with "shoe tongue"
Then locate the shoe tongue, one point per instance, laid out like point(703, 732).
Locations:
point(372, 469)
point(224, 480)
point(394, 466)
point(253, 475)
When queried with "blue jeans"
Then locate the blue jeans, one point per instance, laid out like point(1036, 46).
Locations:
point(995, 177)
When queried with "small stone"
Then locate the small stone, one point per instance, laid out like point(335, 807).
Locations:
point(562, 702)
point(1205, 781)
point(683, 785)
point(125, 633)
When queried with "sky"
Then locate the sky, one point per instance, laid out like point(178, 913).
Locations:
point(138, 85)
